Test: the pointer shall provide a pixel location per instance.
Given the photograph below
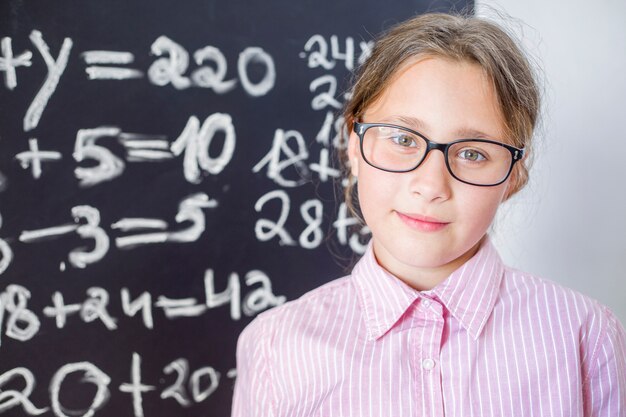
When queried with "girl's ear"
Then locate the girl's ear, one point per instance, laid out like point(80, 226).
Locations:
point(353, 154)
point(512, 186)
point(507, 192)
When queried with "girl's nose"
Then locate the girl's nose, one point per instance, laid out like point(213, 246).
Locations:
point(431, 180)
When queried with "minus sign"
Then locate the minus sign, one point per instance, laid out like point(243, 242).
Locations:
point(302, 55)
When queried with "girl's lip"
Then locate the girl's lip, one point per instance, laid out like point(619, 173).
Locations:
point(423, 223)
point(422, 218)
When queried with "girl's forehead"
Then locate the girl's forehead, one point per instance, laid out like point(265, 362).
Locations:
point(427, 93)
point(436, 60)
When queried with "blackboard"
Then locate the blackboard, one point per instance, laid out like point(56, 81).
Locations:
point(148, 151)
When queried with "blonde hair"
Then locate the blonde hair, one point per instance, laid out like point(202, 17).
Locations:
point(461, 38)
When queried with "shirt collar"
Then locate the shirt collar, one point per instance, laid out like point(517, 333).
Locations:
point(469, 293)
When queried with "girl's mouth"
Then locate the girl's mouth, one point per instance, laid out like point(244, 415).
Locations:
point(422, 223)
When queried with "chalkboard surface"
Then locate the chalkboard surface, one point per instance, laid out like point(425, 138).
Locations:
point(166, 173)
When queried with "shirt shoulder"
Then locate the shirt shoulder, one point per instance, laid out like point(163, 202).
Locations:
point(565, 300)
point(593, 325)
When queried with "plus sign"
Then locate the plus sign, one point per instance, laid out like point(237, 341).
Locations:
point(60, 310)
point(8, 63)
point(34, 156)
point(323, 168)
point(135, 387)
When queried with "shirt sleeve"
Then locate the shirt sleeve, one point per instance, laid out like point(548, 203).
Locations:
point(604, 388)
point(253, 396)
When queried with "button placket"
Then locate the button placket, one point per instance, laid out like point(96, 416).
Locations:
point(429, 382)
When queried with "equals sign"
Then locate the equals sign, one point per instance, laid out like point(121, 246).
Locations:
point(145, 148)
point(99, 72)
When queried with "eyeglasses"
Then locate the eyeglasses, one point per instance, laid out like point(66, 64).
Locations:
point(394, 148)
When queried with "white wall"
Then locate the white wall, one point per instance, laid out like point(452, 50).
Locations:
point(569, 224)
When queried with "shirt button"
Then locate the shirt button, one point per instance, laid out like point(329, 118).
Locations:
point(428, 364)
point(426, 302)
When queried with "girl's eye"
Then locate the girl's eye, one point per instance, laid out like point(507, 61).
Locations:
point(404, 140)
point(472, 155)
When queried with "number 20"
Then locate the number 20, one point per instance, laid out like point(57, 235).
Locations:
point(177, 390)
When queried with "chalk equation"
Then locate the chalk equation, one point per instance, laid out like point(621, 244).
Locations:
point(185, 386)
point(169, 69)
point(21, 323)
point(88, 226)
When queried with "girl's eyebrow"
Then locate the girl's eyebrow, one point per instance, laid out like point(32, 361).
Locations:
point(408, 121)
point(417, 124)
point(468, 133)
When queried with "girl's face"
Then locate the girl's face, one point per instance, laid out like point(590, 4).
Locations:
point(425, 223)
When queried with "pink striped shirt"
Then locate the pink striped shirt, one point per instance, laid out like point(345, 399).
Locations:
point(488, 341)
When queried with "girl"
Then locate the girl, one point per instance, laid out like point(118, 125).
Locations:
point(430, 322)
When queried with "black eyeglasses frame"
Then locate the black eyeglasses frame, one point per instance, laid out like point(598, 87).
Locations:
point(360, 129)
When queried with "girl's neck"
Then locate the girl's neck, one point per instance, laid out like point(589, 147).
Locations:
point(424, 278)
